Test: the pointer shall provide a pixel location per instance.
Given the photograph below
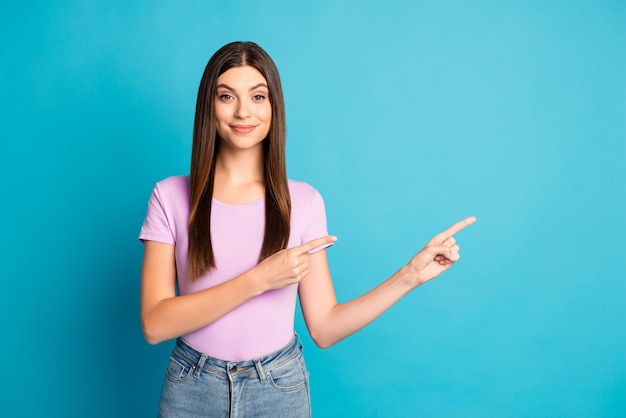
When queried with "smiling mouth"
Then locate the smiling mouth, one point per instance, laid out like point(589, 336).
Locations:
point(242, 129)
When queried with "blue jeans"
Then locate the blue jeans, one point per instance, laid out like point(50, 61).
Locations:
point(196, 385)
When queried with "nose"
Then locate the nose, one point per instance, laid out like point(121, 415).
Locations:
point(242, 110)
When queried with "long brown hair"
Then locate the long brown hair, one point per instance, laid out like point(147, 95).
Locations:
point(204, 152)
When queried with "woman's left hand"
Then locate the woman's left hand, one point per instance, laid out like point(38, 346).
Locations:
point(438, 255)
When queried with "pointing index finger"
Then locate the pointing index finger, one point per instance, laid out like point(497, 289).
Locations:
point(458, 226)
point(318, 242)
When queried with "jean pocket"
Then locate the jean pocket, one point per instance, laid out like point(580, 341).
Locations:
point(178, 370)
point(289, 377)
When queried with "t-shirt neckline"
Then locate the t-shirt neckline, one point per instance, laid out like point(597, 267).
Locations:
point(244, 205)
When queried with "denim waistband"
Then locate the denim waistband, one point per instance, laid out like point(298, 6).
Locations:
point(262, 365)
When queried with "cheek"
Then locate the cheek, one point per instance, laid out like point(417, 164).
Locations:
point(267, 117)
point(220, 113)
point(266, 113)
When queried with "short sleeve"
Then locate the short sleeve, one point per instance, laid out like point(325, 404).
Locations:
point(156, 226)
point(316, 226)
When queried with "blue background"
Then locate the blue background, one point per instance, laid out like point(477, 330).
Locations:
point(407, 116)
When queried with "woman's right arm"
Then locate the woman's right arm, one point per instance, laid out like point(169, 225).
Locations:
point(165, 316)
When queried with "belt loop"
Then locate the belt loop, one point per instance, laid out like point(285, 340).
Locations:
point(259, 369)
point(299, 341)
point(199, 366)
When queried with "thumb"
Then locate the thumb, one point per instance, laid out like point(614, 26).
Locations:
point(434, 250)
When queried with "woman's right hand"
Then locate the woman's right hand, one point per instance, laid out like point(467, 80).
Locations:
point(288, 266)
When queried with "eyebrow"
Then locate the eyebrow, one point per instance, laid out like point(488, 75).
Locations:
point(224, 86)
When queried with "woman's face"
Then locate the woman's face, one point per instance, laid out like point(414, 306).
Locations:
point(242, 108)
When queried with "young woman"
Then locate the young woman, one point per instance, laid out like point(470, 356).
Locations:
point(228, 248)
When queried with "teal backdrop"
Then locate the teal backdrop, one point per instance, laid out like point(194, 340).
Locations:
point(407, 116)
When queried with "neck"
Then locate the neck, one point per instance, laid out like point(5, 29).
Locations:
point(239, 177)
point(240, 167)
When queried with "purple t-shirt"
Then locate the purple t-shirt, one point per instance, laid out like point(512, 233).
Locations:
point(265, 323)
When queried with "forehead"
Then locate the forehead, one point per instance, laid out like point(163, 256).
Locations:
point(243, 77)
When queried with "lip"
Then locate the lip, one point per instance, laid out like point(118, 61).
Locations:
point(242, 129)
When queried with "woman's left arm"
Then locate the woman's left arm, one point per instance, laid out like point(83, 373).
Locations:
point(329, 322)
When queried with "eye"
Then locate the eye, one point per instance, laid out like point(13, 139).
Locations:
point(258, 97)
point(226, 97)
